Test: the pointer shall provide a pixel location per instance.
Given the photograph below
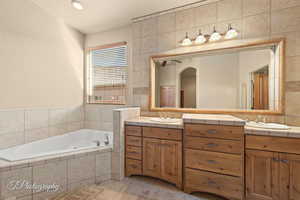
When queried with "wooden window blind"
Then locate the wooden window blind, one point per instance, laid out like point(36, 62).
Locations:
point(107, 74)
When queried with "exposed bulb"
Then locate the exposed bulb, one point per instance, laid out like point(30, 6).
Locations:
point(215, 36)
point(77, 4)
point(187, 41)
point(231, 33)
point(200, 38)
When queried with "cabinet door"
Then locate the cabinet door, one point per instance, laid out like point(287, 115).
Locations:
point(262, 175)
point(289, 176)
point(151, 157)
point(171, 161)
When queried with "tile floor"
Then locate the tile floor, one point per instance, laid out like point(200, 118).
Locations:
point(133, 188)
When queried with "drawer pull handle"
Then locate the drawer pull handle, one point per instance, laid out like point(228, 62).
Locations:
point(212, 145)
point(133, 166)
point(276, 160)
point(212, 161)
point(212, 131)
point(210, 182)
point(284, 161)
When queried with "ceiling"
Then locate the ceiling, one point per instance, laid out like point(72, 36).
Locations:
point(101, 15)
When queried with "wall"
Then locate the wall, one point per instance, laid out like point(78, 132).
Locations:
point(41, 74)
point(253, 19)
point(41, 58)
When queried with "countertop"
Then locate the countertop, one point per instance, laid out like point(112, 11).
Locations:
point(146, 121)
point(213, 119)
point(293, 132)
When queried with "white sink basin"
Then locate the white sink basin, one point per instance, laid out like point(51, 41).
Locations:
point(165, 120)
point(268, 125)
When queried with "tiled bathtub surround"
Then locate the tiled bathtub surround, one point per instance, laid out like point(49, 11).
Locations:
point(120, 116)
point(67, 170)
point(19, 126)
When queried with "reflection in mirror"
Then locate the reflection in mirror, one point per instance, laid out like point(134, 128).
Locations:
point(244, 79)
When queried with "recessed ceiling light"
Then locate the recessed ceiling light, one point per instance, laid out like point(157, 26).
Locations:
point(77, 4)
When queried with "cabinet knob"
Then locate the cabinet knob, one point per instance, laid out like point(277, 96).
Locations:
point(275, 159)
point(212, 161)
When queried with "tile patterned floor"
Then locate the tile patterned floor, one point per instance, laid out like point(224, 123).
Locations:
point(134, 188)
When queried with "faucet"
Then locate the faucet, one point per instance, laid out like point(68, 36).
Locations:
point(97, 143)
point(106, 141)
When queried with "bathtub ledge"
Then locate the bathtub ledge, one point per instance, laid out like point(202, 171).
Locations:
point(7, 166)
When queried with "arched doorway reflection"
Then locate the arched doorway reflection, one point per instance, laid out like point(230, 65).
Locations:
point(188, 88)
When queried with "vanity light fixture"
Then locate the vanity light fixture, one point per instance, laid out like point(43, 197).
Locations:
point(186, 41)
point(231, 33)
point(200, 38)
point(77, 4)
point(215, 36)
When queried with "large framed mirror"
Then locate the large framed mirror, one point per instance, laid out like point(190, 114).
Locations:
point(238, 76)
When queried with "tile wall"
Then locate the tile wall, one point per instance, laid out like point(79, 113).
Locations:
point(19, 126)
point(68, 172)
point(253, 19)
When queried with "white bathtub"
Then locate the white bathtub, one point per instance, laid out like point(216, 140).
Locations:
point(70, 142)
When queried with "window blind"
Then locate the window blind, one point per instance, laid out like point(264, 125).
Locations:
point(109, 68)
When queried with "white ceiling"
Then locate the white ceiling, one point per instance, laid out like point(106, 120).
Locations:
point(101, 15)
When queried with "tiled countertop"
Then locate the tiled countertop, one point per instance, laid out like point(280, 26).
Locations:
point(293, 132)
point(213, 119)
point(146, 121)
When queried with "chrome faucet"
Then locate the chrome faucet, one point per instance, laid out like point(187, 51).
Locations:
point(97, 143)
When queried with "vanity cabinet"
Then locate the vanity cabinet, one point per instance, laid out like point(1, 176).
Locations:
point(272, 168)
point(155, 152)
point(213, 160)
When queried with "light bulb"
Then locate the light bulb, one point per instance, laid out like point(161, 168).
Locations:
point(231, 33)
point(187, 41)
point(77, 4)
point(200, 38)
point(215, 36)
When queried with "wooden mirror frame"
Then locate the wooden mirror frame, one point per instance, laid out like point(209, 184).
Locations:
point(219, 46)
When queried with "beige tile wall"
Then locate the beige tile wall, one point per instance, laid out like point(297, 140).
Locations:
point(69, 172)
point(19, 126)
point(253, 18)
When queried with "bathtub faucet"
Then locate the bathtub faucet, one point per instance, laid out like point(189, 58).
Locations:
point(106, 141)
point(97, 142)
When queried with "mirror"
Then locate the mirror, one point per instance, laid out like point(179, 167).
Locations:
point(238, 78)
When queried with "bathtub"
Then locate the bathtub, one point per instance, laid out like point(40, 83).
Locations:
point(69, 142)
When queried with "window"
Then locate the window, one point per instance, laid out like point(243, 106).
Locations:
point(107, 68)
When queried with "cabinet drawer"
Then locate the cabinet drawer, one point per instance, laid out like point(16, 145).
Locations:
point(269, 143)
point(134, 141)
point(162, 133)
point(134, 152)
point(215, 162)
point(212, 144)
point(133, 130)
point(227, 186)
point(133, 167)
point(214, 131)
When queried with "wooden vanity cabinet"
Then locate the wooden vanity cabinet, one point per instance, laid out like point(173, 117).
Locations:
point(272, 168)
point(214, 160)
point(161, 153)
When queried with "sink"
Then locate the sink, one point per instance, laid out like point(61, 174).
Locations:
point(165, 120)
point(268, 125)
